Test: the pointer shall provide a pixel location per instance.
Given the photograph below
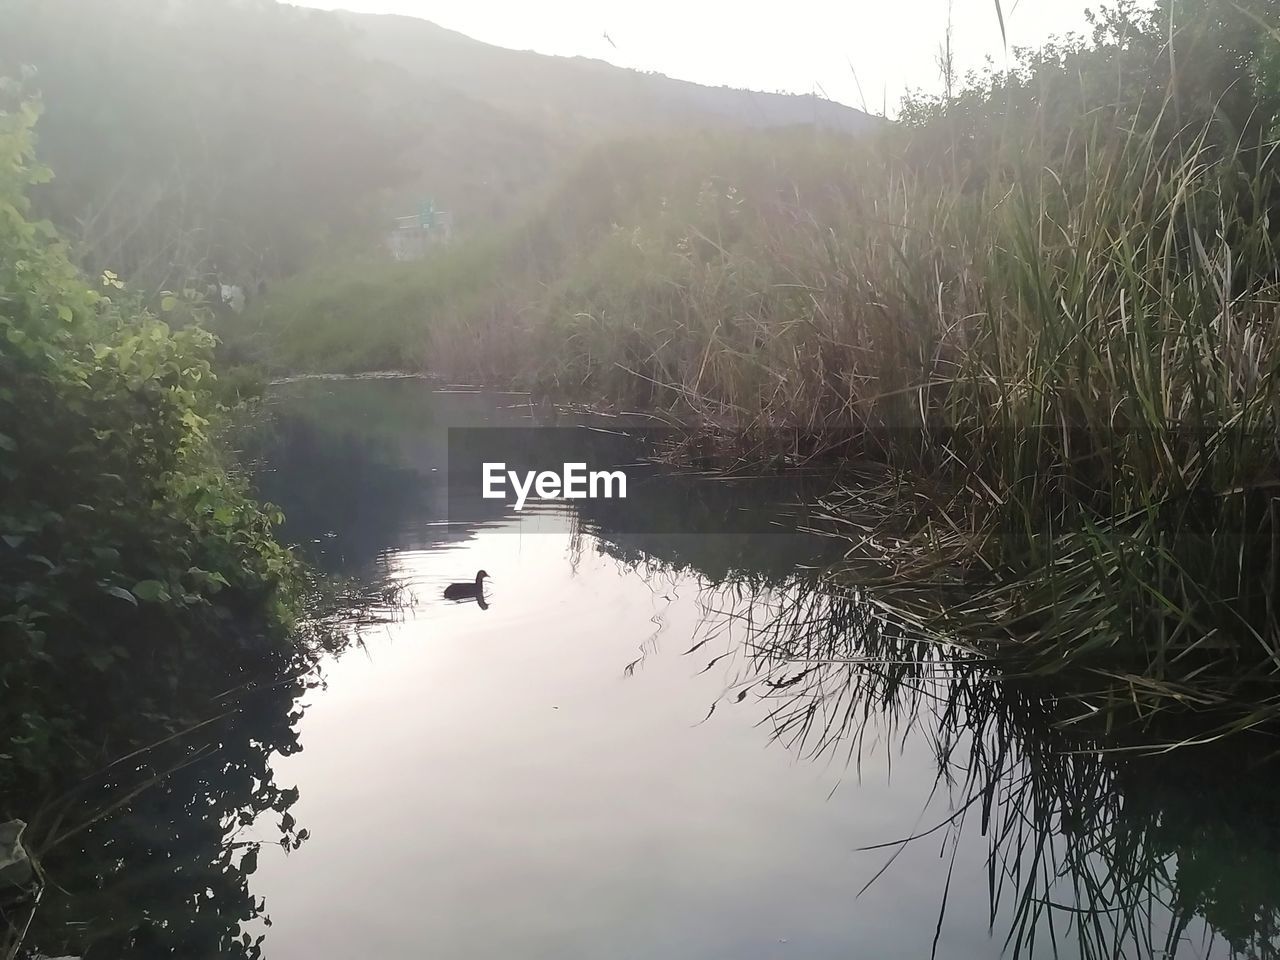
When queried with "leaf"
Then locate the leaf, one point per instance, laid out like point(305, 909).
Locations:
point(151, 591)
point(122, 593)
point(168, 303)
point(13, 540)
point(8, 443)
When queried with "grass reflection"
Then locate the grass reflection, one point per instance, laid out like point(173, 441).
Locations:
point(1100, 844)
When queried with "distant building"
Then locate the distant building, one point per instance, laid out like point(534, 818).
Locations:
point(411, 237)
point(232, 295)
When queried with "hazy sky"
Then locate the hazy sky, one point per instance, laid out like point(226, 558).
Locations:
point(800, 46)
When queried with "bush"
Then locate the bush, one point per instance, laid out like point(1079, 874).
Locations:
point(135, 573)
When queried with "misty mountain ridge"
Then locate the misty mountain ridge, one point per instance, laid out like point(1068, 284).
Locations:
point(247, 137)
point(591, 95)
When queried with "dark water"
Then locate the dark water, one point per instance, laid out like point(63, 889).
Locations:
point(655, 742)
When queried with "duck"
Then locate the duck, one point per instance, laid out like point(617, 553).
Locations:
point(468, 591)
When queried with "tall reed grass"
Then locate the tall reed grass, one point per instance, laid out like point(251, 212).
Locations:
point(1048, 309)
point(1071, 354)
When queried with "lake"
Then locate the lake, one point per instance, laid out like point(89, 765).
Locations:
point(656, 739)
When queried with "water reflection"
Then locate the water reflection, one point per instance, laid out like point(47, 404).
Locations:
point(362, 466)
point(155, 859)
point(1095, 843)
point(579, 772)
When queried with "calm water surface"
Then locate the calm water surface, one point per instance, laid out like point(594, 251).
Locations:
point(497, 783)
point(642, 749)
point(511, 782)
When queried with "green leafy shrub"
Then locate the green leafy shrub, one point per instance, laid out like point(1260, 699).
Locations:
point(134, 571)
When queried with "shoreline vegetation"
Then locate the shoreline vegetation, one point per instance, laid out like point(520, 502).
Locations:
point(1045, 303)
point(1039, 314)
point(145, 602)
point(1045, 306)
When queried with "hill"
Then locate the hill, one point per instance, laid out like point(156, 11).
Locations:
point(243, 139)
point(585, 94)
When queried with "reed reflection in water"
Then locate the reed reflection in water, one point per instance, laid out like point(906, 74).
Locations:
point(1096, 846)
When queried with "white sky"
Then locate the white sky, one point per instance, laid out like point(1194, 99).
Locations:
point(800, 46)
